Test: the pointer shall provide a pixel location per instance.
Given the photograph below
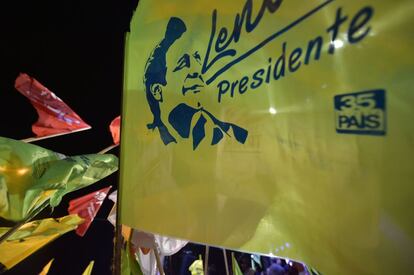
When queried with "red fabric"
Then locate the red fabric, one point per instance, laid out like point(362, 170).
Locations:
point(114, 128)
point(55, 117)
point(87, 207)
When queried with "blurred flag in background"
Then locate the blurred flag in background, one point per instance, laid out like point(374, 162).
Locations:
point(87, 207)
point(88, 270)
point(55, 117)
point(45, 270)
point(31, 175)
point(32, 236)
point(114, 127)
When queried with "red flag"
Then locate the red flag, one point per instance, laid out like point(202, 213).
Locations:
point(114, 128)
point(87, 207)
point(55, 117)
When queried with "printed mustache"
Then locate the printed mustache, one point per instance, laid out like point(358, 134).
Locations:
point(194, 88)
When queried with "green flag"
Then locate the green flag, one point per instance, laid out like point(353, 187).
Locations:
point(31, 175)
point(236, 267)
point(32, 236)
point(129, 264)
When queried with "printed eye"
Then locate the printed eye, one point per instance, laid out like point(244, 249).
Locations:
point(197, 57)
point(183, 62)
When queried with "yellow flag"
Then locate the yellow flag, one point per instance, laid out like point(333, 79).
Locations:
point(88, 270)
point(45, 270)
point(279, 127)
point(32, 236)
point(196, 268)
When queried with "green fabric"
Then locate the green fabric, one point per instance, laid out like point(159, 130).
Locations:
point(129, 265)
point(236, 267)
point(31, 175)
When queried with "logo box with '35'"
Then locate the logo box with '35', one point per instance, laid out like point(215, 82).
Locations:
point(362, 113)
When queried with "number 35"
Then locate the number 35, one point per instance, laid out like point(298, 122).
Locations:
point(361, 101)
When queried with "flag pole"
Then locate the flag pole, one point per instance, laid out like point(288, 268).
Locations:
point(16, 227)
point(118, 246)
point(103, 151)
point(118, 225)
point(206, 260)
point(226, 264)
point(158, 259)
point(32, 139)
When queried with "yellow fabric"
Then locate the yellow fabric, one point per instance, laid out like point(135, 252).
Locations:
point(32, 236)
point(297, 187)
point(196, 268)
point(88, 270)
point(45, 270)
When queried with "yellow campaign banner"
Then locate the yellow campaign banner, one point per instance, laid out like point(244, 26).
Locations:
point(273, 126)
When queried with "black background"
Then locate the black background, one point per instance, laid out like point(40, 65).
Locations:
point(74, 48)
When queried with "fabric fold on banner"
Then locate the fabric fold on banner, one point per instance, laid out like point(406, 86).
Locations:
point(31, 175)
point(32, 236)
point(115, 130)
point(87, 207)
point(55, 117)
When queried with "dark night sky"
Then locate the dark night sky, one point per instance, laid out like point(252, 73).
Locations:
point(75, 48)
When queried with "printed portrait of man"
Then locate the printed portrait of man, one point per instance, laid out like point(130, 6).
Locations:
point(190, 117)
